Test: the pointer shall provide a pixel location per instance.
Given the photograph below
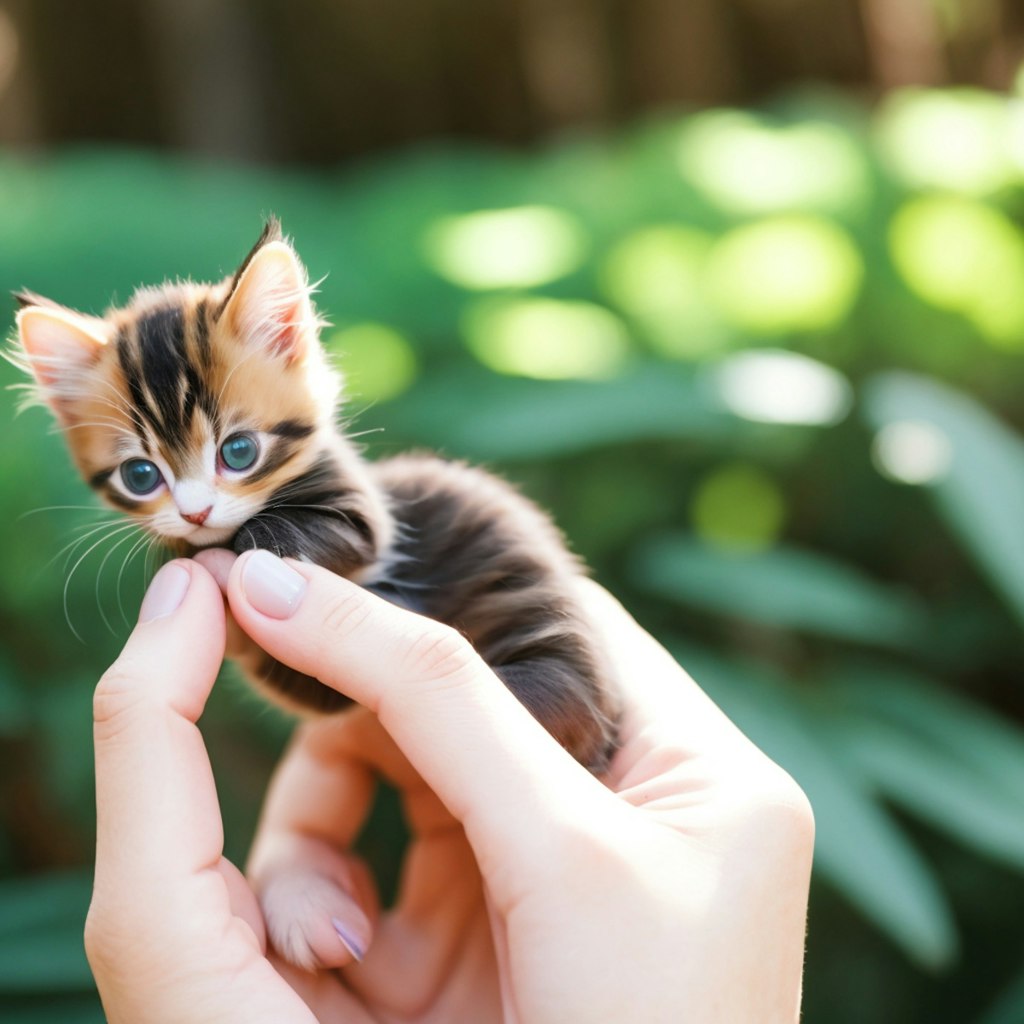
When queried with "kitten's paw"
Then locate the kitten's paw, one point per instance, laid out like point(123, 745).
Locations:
point(311, 921)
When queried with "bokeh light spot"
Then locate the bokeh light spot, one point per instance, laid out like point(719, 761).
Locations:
point(378, 361)
point(748, 166)
point(738, 507)
point(958, 139)
point(963, 256)
point(781, 387)
point(514, 248)
point(546, 338)
point(911, 452)
point(657, 270)
point(785, 274)
point(656, 275)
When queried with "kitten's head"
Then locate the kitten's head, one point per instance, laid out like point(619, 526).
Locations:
point(193, 405)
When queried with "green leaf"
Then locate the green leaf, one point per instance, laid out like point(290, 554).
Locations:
point(959, 729)
point(981, 495)
point(783, 587)
point(858, 846)
point(487, 417)
point(933, 786)
point(1009, 1007)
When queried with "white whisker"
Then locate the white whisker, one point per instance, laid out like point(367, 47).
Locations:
point(133, 551)
point(67, 583)
point(99, 578)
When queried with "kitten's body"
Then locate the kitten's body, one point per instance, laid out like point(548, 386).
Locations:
point(164, 385)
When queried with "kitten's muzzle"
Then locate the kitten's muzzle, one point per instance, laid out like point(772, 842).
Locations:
point(197, 518)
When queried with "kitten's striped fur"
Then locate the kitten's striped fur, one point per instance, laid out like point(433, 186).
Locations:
point(166, 378)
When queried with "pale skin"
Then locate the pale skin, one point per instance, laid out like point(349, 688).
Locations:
point(673, 890)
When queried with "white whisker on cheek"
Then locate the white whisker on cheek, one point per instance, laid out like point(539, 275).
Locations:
point(114, 530)
point(143, 540)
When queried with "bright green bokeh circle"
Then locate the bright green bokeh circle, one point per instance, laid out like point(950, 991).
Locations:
point(794, 273)
point(739, 507)
point(378, 361)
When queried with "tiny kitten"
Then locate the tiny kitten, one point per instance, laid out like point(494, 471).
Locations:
point(208, 413)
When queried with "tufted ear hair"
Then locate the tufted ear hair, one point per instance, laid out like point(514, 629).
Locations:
point(268, 304)
point(58, 347)
point(25, 298)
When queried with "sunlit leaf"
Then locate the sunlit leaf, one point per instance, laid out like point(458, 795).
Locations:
point(963, 731)
point(487, 418)
point(931, 785)
point(858, 847)
point(981, 494)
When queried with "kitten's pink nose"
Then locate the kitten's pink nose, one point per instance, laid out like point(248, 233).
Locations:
point(198, 518)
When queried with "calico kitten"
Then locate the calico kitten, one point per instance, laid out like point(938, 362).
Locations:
point(208, 414)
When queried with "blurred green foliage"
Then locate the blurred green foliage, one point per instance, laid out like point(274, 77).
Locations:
point(764, 367)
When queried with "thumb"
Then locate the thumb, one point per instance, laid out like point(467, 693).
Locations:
point(157, 813)
point(491, 763)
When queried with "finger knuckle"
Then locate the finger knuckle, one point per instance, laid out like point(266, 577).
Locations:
point(782, 808)
point(794, 811)
point(345, 613)
point(438, 652)
point(115, 700)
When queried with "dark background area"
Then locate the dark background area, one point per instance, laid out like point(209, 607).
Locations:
point(734, 287)
point(319, 81)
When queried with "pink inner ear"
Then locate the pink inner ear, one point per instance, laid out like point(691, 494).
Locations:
point(57, 345)
point(287, 341)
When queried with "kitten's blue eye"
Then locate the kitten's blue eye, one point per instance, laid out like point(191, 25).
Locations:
point(239, 451)
point(140, 476)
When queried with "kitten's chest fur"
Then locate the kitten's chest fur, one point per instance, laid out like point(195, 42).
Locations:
point(458, 545)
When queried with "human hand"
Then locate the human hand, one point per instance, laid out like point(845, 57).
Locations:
point(174, 933)
point(531, 891)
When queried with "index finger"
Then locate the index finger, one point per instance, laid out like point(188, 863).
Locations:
point(492, 764)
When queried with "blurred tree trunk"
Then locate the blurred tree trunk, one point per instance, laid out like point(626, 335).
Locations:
point(320, 80)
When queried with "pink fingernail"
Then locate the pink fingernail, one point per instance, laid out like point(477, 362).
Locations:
point(271, 586)
point(165, 593)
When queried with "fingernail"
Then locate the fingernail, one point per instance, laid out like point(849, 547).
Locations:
point(348, 940)
point(271, 587)
point(165, 593)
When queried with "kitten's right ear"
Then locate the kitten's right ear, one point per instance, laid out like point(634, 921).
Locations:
point(268, 303)
point(59, 347)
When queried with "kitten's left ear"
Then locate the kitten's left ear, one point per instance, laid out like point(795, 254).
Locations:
point(59, 348)
point(269, 304)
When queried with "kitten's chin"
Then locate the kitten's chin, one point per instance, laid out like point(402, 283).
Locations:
point(203, 537)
